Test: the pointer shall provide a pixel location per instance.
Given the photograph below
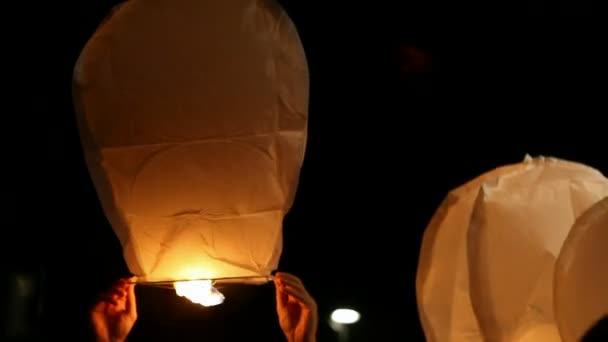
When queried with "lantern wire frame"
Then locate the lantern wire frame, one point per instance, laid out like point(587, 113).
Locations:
point(217, 282)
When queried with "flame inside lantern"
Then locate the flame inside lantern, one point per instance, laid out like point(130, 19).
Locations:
point(199, 291)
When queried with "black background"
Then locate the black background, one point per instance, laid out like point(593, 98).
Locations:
point(389, 137)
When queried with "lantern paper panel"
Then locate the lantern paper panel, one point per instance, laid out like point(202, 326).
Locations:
point(193, 117)
point(445, 278)
point(581, 274)
point(518, 226)
point(442, 282)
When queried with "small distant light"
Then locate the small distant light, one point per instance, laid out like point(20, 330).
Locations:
point(345, 316)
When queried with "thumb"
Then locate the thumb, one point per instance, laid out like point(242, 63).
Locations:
point(131, 305)
point(280, 293)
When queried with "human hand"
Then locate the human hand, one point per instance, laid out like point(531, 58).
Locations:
point(115, 314)
point(297, 310)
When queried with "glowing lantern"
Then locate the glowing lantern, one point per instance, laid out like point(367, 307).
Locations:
point(581, 274)
point(193, 116)
point(487, 257)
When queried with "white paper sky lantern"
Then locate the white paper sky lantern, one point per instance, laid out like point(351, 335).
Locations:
point(581, 274)
point(193, 117)
point(486, 262)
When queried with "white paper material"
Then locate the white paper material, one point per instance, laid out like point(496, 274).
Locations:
point(486, 261)
point(581, 274)
point(193, 116)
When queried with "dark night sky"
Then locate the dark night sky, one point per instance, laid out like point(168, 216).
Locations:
point(385, 147)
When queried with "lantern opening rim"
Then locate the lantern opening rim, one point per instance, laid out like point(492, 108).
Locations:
point(219, 281)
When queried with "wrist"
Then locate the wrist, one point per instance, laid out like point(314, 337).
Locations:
point(305, 339)
point(103, 339)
